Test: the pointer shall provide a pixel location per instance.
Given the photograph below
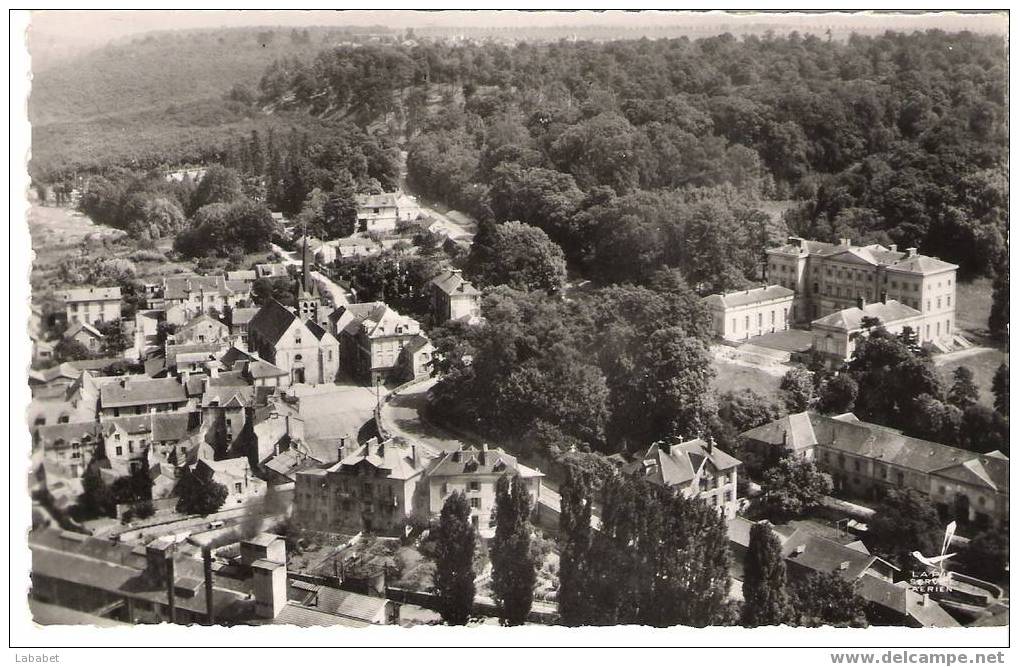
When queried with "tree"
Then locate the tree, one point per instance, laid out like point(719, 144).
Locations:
point(798, 389)
point(838, 395)
point(517, 255)
point(904, 522)
point(575, 534)
point(513, 564)
point(987, 554)
point(115, 341)
point(765, 598)
point(999, 385)
point(963, 392)
point(825, 598)
point(219, 185)
point(454, 560)
point(96, 497)
point(746, 409)
point(198, 493)
point(69, 349)
point(999, 318)
point(677, 384)
point(794, 487)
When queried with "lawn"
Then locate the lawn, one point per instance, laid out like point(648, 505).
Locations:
point(973, 305)
point(983, 363)
point(730, 376)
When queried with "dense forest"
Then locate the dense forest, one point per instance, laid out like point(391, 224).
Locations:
point(897, 138)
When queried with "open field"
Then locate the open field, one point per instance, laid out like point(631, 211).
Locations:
point(983, 363)
point(730, 376)
point(973, 305)
point(54, 227)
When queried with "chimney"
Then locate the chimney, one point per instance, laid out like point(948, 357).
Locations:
point(884, 296)
point(270, 587)
point(484, 453)
point(795, 241)
point(210, 610)
point(800, 549)
point(159, 565)
point(910, 252)
point(456, 456)
point(711, 445)
point(893, 247)
point(860, 302)
point(339, 450)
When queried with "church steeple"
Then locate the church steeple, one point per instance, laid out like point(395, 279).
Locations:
point(308, 302)
point(304, 260)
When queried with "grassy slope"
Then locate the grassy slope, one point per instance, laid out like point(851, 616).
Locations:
point(155, 99)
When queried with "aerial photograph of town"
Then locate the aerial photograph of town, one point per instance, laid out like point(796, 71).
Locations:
point(499, 319)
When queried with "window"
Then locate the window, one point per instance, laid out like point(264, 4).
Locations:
point(760, 319)
point(476, 503)
point(928, 304)
point(981, 501)
point(941, 489)
point(939, 303)
point(773, 317)
point(237, 487)
point(475, 486)
point(120, 451)
point(949, 301)
point(856, 466)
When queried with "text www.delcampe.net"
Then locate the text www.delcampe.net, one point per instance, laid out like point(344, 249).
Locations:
point(918, 658)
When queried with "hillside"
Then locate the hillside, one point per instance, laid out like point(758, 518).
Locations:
point(158, 69)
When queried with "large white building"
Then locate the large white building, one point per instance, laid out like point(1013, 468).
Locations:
point(828, 277)
point(752, 312)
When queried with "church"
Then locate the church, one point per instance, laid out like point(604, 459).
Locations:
point(293, 340)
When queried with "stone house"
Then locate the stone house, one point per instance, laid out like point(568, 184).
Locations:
point(828, 277)
point(475, 473)
point(753, 312)
point(304, 350)
point(91, 304)
point(835, 336)
point(866, 460)
point(453, 298)
point(372, 336)
point(695, 468)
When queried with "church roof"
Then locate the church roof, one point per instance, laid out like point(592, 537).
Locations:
point(272, 321)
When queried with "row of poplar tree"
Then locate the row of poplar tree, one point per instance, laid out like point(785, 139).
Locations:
point(631, 552)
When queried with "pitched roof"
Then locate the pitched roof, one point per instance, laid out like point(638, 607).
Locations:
point(922, 264)
point(180, 287)
point(83, 326)
point(239, 316)
point(203, 318)
point(307, 617)
point(471, 461)
point(679, 463)
point(272, 321)
point(128, 392)
point(851, 319)
point(173, 426)
point(90, 294)
point(396, 459)
point(452, 282)
point(66, 434)
point(382, 200)
point(749, 296)
point(131, 424)
point(247, 275)
point(794, 431)
point(884, 444)
point(259, 368)
point(375, 319)
point(823, 555)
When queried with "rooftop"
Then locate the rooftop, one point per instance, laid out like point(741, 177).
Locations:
point(851, 319)
point(127, 392)
point(81, 294)
point(749, 296)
